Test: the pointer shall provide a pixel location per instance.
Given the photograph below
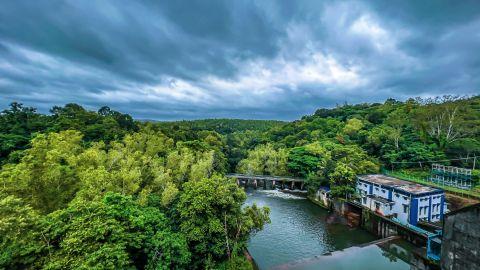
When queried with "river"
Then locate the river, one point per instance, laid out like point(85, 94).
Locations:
point(298, 234)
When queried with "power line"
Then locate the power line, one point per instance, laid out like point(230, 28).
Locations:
point(432, 161)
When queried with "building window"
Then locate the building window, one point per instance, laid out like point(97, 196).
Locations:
point(405, 208)
point(383, 190)
point(405, 197)
point(377, 206)
point(364, 199)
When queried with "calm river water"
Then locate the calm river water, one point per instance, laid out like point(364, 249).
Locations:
point(299, 234)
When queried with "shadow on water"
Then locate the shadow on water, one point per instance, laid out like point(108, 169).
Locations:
point(299, 231)
point(392, 255)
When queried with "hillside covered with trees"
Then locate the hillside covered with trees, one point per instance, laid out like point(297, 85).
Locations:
point(97, 189)
point(333, 145)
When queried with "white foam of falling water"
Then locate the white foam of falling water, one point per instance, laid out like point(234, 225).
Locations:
point(280, 194)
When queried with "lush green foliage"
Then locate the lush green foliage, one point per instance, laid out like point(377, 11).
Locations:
point(141, 200)
point(333, 145)
point(222, 126)
point(83, 189)
point(212, 218)
point(239, 135)
point(265, 160)
point(114, 233)
point(321, 163)
point(19, 124)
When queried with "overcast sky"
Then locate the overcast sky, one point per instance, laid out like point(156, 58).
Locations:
point(260, 59)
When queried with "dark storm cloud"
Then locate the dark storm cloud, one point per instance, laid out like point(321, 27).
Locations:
point(242, 59)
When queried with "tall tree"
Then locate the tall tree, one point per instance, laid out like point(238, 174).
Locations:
point(46, 176)
point(265, 159)
point(443, 118)
point(213, 220)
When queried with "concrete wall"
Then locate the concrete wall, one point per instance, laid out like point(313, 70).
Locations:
point(429, 207)
point(400, 200)
point(363, 187)
point(461, 240)
point(423, 207)
point(436, 208)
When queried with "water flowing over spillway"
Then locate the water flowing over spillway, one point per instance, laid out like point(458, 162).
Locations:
point(299, 231)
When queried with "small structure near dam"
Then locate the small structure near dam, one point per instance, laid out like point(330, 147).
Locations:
point(408, 202)
point(268, 182)
point(452, 176)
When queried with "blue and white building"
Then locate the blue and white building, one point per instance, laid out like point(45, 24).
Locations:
point(406, 201)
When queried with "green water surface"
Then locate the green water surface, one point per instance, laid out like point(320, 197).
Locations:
point(299, 234)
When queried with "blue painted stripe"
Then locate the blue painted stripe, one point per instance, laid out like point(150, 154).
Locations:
point(442, 202)
point(429, 207)
point(413, 212)
point(390, 194)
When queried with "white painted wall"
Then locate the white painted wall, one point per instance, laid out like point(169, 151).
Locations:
point(398, 208)
point(401, 200)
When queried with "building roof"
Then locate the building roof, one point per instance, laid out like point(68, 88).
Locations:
point(398, 184)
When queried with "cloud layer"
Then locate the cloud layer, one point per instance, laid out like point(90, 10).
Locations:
point(242, 59)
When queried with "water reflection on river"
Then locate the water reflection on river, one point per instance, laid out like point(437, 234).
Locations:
point(299, 231)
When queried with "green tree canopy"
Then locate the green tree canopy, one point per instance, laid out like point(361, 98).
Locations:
point(212, 219)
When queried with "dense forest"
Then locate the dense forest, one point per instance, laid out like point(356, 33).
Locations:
point(97, 189)
point(82, 190)
point(222, 126)
point(331, 146)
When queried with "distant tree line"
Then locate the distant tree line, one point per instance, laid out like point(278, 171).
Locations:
point(20, 124)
